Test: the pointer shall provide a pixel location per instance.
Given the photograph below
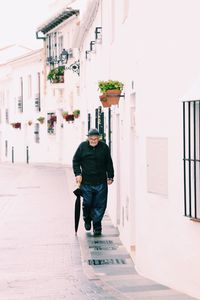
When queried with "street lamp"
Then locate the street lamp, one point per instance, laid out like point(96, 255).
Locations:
point(52, 60)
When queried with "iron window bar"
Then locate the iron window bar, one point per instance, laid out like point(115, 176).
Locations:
point(191, 158)
point(89, 121)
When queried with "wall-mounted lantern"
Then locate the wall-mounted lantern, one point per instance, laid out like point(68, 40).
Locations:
point(98, 34)
point(93, 46)
point(88, 54)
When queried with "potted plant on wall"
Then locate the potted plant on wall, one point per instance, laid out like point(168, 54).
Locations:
point(76, 113)
point(111, 90)
point(56, 75)
point(41, 120)
point(69, 118)
point(16, 125)
point(64, 114)
point(104, 101)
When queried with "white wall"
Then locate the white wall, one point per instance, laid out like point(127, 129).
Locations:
point(167, 53)
point(155, 53)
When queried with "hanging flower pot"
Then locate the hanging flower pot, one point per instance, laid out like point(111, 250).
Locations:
point(113, 96)
point(41, 119)
point(69, 118)
point(30, 122)
point(76, 113)
point(56, 75)
point(111, 90)
point(16, 125)
point(104, 101)
point(64, 114)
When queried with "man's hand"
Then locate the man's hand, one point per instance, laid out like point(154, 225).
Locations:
point(79, 180)
point(109, 181)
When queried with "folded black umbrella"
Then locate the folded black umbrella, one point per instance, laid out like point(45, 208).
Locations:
point(77, 209)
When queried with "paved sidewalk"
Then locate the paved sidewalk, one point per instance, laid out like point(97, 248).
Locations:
point(40, 256)
point(110, 262)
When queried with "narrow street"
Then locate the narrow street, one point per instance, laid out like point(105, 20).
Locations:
point(41, 258)
point(39, 254)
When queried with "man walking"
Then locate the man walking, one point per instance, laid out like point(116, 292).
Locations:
point(93, 169)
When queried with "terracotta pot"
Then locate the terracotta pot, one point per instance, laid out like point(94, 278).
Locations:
point(16, 125)
point(113, 100)
point(69, 118)
point(104, 101)
point(76, 116)
point(59, 79)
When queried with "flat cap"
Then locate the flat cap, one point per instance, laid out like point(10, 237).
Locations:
point(93, 131)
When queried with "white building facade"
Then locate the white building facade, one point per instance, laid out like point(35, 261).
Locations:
point(153, 48)
point(21, 96)
point(32, 103)
point(62, 95)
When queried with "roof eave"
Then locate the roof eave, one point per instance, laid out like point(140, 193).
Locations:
point(54, 22)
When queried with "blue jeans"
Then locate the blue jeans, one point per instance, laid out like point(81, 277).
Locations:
point(94, 203)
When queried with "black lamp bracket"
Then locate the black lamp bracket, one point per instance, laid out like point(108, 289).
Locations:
point(75, 67)
point(115, 95)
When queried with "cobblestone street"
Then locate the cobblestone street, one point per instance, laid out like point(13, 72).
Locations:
point(41, 258)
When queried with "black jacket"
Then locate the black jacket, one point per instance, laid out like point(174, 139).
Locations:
point(93, 163)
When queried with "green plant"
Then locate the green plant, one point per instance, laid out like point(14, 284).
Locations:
point(76, 112)
point(64, 113)
point(41, 119)
point(104, 86)
point(56, 73)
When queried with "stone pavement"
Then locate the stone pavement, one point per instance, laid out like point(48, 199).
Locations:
point(109, 261)
point(40, 256)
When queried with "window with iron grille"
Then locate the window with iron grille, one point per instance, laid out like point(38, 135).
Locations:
point(6, 148)
point(37, 132)
point(191, 158)
point(51, 123)
point(89, 121)
point(99, 122)
point(37, 102)
point(7, 115)
point(20, 98)
point(38, 94)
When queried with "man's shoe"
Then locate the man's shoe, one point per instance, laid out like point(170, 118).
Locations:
point(97, 232)
point(87, 226)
